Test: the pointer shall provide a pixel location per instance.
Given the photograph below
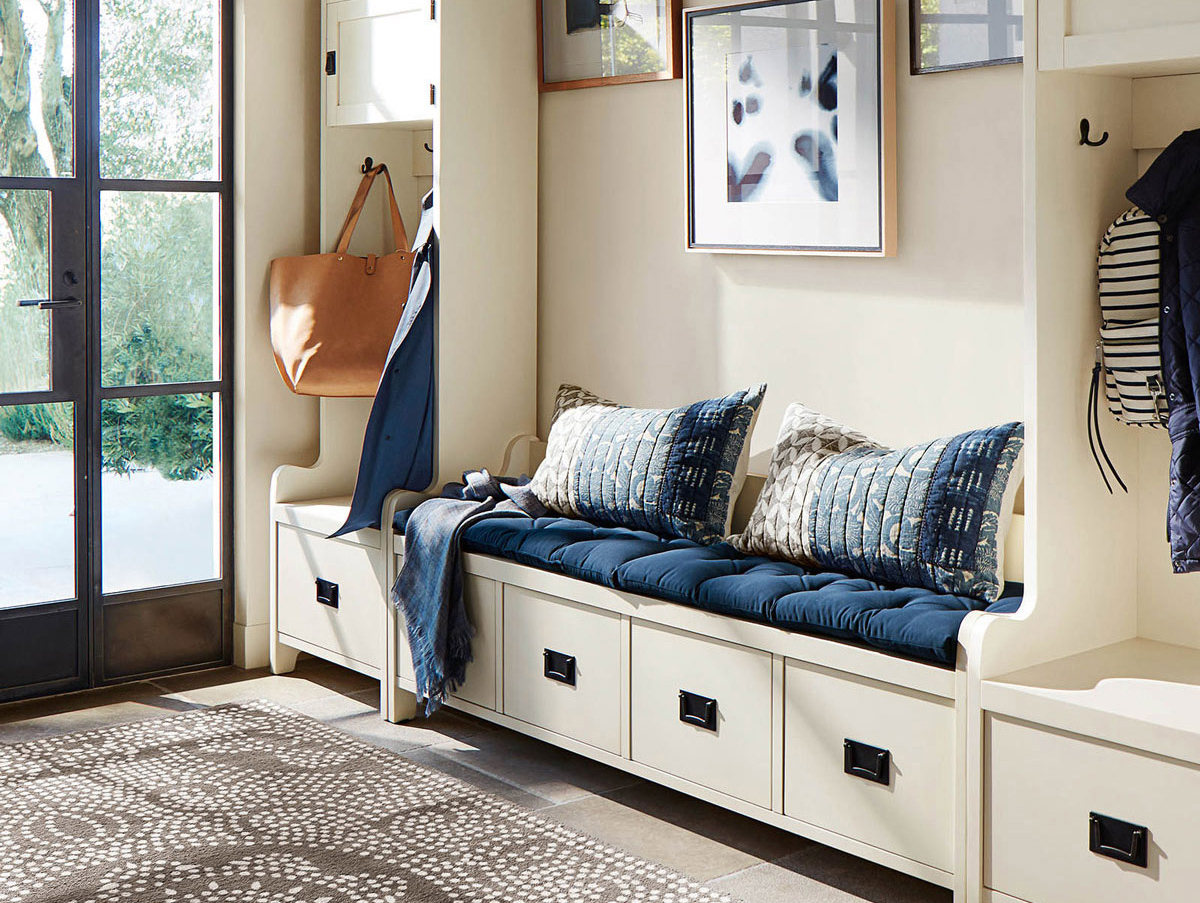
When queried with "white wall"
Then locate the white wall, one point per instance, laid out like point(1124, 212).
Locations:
point(905, 349)
point(1167, 602)
point(277, 178)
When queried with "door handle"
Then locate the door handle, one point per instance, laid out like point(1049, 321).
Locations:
point(47, 304)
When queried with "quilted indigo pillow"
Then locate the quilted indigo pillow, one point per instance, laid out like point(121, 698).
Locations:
point(932, 516)
point(671, 472)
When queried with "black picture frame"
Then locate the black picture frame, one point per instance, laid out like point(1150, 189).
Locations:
point(917, 18)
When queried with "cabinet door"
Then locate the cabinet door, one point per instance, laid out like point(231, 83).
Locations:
point(386, 60)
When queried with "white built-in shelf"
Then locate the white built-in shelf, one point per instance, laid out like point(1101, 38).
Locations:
point(1137, 693)
point(1135, 53)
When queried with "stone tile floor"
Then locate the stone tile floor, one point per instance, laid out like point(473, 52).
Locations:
point(753, 862)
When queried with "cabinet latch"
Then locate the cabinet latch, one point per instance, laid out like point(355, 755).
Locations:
point(331, 63)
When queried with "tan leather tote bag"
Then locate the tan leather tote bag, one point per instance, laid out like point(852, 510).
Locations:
point(333, 316)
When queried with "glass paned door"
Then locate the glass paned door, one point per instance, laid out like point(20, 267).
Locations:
point(115, 214)
point(43, 262)
point(162, 221)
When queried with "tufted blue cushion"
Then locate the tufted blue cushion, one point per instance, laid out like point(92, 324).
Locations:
point(916, 623)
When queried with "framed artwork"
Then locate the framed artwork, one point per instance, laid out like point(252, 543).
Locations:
point(588, 43)
point(946, 35)
point(791, 127)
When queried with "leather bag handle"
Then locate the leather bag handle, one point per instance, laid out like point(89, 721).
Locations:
point(360, 200)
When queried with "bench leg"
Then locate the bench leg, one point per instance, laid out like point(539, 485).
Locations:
point(283, 658)
point(399, 706)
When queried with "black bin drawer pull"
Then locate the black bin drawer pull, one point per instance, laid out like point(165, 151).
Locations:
point(559, 667)
point(1118, 839)
point(327, 593)
point(698, 710)
point(868, 762)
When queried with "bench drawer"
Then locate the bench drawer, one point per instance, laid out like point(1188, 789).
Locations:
point(348, 618)
point(562, 667)
point(899, 748)
point(480, 597)
point(479, 594)
point(701, 710)
point(1041, 790)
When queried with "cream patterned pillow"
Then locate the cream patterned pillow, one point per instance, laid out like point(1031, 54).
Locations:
point(933, 515)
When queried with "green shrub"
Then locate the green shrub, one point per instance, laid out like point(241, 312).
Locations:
point(172, 434)
point(38, 423)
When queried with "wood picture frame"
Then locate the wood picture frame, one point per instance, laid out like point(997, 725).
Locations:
point(873, 194)
point(672, 45)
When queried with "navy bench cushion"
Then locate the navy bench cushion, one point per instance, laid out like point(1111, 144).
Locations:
point(916, 623)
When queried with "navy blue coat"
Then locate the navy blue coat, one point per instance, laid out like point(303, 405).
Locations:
point(1170, 192)
point(398, 445)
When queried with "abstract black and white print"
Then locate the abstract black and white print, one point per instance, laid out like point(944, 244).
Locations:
point(790, 126)
point(782, 127)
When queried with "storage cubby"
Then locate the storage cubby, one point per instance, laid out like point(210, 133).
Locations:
point(448, 101)
point(1101, 665)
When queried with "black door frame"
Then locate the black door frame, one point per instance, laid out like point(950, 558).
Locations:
point(76, 354)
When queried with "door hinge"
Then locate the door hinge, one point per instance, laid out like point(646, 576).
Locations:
point(433, 10)
point(331, 63)
point(432, 95)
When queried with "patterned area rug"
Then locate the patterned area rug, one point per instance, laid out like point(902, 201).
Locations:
point(254, 803)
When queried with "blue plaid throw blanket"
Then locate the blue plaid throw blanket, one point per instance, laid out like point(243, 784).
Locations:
point(429, 588)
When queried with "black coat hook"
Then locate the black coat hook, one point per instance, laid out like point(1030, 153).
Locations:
point(428, 148)
point(1085, 135)
point(368, 165)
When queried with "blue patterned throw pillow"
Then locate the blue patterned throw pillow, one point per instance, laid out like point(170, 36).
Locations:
point(671, 472)
point(933, 515)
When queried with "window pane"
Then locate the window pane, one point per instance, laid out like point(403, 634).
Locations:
point(160, 491)
point(24, 275)
point(158, 278)
point(159, 89)
point(37, 486)
point(41, 107)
